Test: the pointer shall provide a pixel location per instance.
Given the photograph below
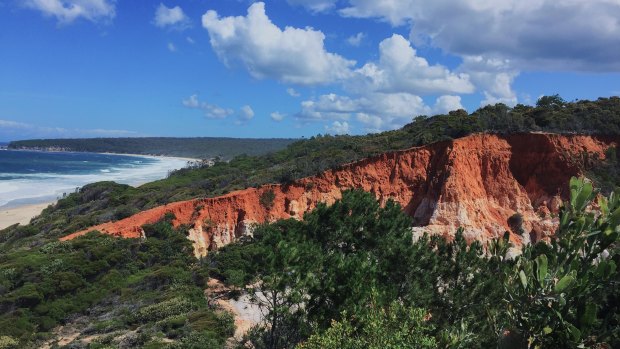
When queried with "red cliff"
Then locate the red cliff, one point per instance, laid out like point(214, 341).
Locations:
point(476, 182)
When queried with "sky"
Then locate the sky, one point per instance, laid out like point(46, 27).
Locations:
point(289, 68)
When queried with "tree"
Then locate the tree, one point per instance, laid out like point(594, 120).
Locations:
point(565, 293)
point(551, 102)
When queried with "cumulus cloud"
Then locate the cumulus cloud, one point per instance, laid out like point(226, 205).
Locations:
point(67, 11)
point(494, 78)
point(292, 55)
point(277, 116)
point(13, 130)
point(445, 104)
point(356, 40)
point(246, 113)
point(211, 111)
point(173, 18)
point(292, 92)
point(376, 111)
point(534, 34)
point(400, 69)
point(381, 94)
point(386, 94)
point(338, 128)
point(314, 5)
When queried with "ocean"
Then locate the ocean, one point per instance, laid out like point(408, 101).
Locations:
point(31, 177)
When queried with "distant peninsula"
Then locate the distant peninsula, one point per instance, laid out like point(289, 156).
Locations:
point(199, 147)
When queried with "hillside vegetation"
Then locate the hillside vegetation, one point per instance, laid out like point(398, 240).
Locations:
point(101, 202)
point(349, 276)
point(147, 293)
point(199, 147)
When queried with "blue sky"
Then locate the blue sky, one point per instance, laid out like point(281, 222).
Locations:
point(289, 68)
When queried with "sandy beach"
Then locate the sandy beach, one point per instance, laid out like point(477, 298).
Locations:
point(21, 214)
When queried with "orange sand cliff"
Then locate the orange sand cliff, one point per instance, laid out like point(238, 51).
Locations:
point(476, 182)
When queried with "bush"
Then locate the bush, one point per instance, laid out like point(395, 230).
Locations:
point(165, 309)
point(381, 328)
point(7, 342)
point(266, 199)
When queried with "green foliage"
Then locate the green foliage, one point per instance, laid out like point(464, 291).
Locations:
point(562, 294)
point(198, 147)
point(7, 342)
point(266, 199)
point(356, 258)
point(393, 327)
point(331, 262)
point(606, 174)
point(101, 202)
point(165, 309)
point(153, 284)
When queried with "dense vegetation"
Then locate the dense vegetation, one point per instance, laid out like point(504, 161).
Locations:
point(137, 293)
point(349, 276)
point(375, 283)
point(106, 201)
point(199, 147)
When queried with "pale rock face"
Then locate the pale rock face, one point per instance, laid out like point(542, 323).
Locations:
point(476, 182)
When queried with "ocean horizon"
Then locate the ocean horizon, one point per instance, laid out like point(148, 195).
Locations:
point(32, 177)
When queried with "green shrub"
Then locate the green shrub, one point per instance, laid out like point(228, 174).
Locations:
point(390, 328)
point(266, 199)
point(562, 294)
point(165, 309)
point(7, 342)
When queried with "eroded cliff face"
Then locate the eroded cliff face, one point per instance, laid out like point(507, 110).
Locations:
point(476, 182)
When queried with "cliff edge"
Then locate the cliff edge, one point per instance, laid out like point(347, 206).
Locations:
point(479, 182)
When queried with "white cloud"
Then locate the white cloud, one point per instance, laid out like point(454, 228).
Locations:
point(338, 128)
point(13, 130)
point(211, 111)
point(173, 17)
point(330, 106)
point(171, 47)
point(400, 69)
point(494, 77)
point(447, 103)
point(372, 123)
point(386, 94)
point(190, 40)
point(246, 113)
point(356, 40)
point(277, 116)
point(534, 34)
point(377, 111)
point(192, 102)
point(291, 91)
point(13, 124)
point(314, 5)
point(292, 55)
point(67, 11)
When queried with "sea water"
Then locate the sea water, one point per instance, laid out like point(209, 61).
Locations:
point(29, 177)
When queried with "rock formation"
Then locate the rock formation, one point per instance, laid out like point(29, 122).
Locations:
point(477, 182)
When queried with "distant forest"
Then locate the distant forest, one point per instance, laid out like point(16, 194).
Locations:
point(202, 147)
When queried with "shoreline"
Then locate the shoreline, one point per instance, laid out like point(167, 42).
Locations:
point(109, 153)
point(22, 208)
point(142, 155)
point(21, 214)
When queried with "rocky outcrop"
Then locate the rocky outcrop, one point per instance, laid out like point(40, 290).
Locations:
point(477, 182)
